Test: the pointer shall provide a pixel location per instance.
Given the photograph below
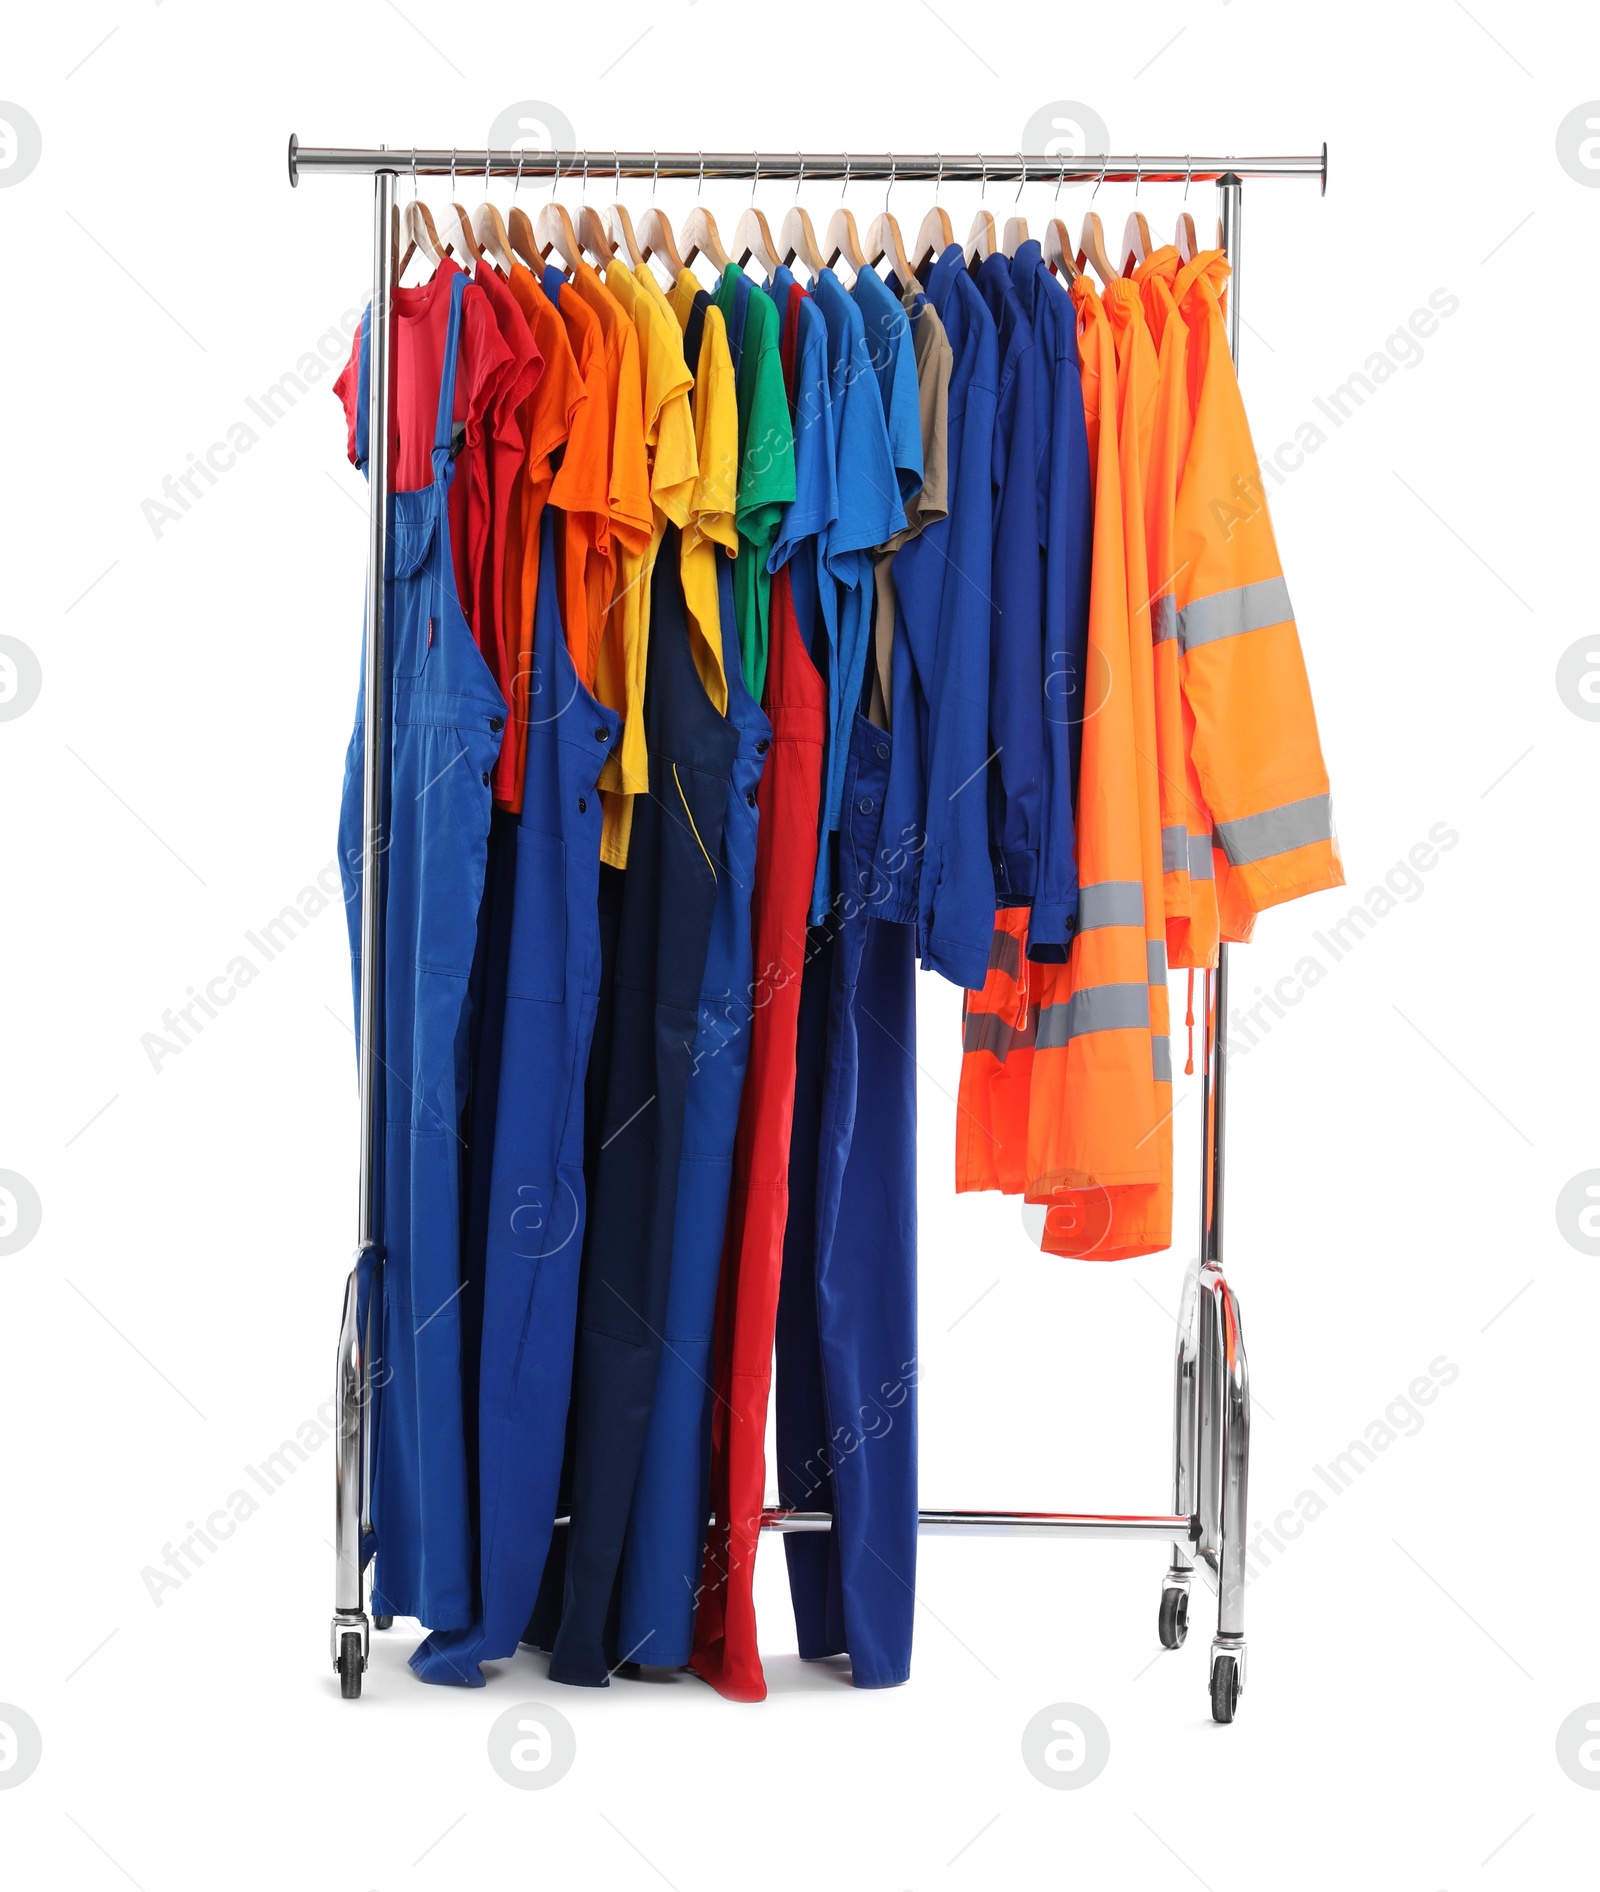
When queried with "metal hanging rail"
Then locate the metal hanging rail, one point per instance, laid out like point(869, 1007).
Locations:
point(1211, 1401)
point(946, 167)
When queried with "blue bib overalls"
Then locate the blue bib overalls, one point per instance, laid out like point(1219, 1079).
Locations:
point(445, 727)
point(847, 1312)
point(536, 1208)
point(667, 1529)
point(662, 906)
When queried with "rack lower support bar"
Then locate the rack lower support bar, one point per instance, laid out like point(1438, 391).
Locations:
point(1009, 1524)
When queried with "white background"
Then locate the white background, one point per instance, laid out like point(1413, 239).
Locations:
point(1397, 1143)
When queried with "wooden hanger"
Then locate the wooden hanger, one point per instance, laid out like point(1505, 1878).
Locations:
point(459, 237)
point(1136, 244)
point(797, 241)
point(981, 240)
point(656, 239)
point(1016, 234)
point(933, 238)
point(844, 240)
point(520, 226)
point(1092, 249)
point(884, 240)
point(1056, 246)
point(699, 237)
point(1187, 242)
point(592, 234)
point(752, 237)
point(458, 227)
point(422, 236)
point(553, 231)
point(489, 228)
point(622, 229)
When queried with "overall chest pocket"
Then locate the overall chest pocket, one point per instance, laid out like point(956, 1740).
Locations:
point(411, 602)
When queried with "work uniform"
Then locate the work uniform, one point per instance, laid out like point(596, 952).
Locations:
point(942, 579)
point(534, 1228)
point(1254, 741)
point(1066, 527)
point(1016, 774)
point(725, 1647)
point(667, 1526)
point(847, 1318)
point(666, 903)
point(446, 720)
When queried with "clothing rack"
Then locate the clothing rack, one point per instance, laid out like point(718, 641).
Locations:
point(1211, 1400)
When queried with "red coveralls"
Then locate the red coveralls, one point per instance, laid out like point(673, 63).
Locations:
point(725, 1651)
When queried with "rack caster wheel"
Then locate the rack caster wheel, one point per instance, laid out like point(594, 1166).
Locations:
point(350, 1666)
point(1224, 1687)
point(1174, 1618)
point(383, 1622)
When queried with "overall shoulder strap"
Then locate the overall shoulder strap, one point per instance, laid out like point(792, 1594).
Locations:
point(444, 424)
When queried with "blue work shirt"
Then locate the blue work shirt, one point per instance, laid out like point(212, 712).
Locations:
point(942, 580)
point(894, 365)
point(810, 514)
point(1016, 642)
point(1066, 532)
point(870, 510)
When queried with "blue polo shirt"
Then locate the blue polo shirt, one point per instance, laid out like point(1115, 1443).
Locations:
point(894, 365)
point(870, 511)
point(810, 514)
point(1066, 531)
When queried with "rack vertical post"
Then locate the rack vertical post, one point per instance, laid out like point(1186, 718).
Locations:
point(350, 1632)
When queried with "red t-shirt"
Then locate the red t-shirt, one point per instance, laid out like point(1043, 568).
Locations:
point(507, 457)
point(423, 319)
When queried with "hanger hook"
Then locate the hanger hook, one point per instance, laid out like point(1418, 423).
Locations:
point(893, 167)
point(413, 174)
point(1138, 173)
point(583, 191)
point(555, 175)
point(522, 152)
point(802, 177)
point(1061, 177)
point(755, 178)
point(452, 170)
point(985, 191)
point(616, 159)
point(938, 182)
point(1022, 186)
point(846, 184)
point(1188, 173)
point(1105, 159)
point(655, 171)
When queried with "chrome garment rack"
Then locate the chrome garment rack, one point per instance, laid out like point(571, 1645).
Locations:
point(1211, 1396)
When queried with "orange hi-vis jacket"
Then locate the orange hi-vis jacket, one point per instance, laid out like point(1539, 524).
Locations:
point(1189, 883)
point(1198, 719)
point(1093, 1110)
point(1253, 741)
point(1137, 1218)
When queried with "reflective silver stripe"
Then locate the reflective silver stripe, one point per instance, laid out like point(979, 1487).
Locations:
point(1004, 952)
point(1111, 903)
point(988, 1031)
point(1201, 865)
point(1174, 849)
point(1163, 619)
point(1227, 613)
point(1096, 1008)
point(1155, 953)
point(1277, 830)
point(1161, 1059)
